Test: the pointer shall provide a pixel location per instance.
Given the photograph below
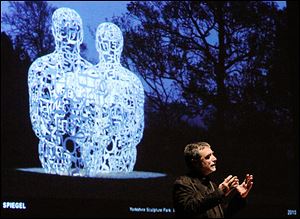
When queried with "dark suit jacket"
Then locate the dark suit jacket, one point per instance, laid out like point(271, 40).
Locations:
point(196, 196)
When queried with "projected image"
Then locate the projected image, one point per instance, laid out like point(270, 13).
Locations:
point(89, 119)
point(100, 98)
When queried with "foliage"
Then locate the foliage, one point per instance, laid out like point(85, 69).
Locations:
point(211, 59)
point(29, 25)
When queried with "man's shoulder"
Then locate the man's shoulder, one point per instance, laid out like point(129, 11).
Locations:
point(183, 180)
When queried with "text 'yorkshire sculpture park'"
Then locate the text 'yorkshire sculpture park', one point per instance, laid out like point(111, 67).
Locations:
point(89, 119)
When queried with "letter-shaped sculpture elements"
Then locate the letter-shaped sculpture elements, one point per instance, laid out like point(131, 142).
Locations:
point(89, 119)
point(125, 101)
point(61, 111)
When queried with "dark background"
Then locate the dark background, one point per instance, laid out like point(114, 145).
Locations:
point(271, 154)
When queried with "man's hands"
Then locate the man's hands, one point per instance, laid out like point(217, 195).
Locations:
point(229, 183)
point(246, 186)
point(232, 182)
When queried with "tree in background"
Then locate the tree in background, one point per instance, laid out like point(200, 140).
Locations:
point(16, 132)
point(29, 25)
point(206, 58)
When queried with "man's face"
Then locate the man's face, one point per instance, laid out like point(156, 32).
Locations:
point(208, 161)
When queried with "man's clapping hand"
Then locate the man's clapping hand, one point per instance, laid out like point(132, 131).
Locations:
point(229, 183)
point(246, 186)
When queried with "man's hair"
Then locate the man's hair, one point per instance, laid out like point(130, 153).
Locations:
point(191, 152)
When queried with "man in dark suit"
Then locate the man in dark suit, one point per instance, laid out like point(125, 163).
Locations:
point(195, 195)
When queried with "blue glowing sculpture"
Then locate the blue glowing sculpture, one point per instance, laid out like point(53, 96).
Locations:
point(59, 109)
point(88, 118)
point(124, 101)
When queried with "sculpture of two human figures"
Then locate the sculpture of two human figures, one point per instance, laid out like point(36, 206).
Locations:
point(88, 118)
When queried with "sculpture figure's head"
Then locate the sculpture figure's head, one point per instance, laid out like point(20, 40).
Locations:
point(109, 40)
point(67, 27)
